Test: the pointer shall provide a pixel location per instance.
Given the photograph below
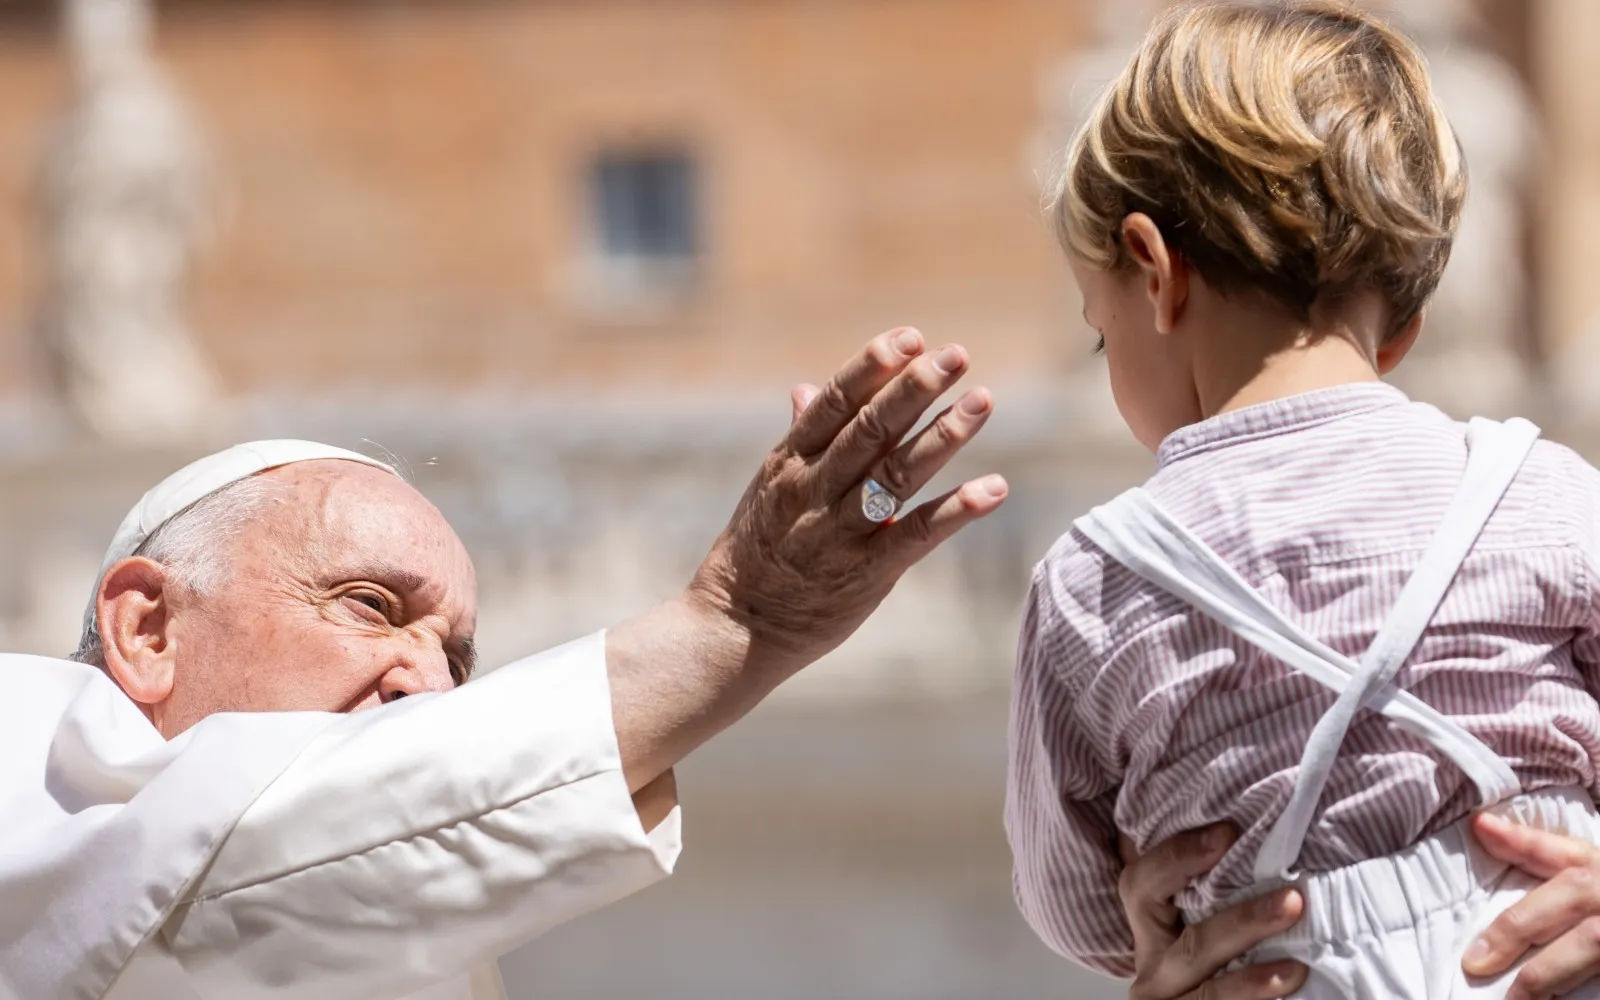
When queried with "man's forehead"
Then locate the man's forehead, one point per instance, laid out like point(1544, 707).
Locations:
point(202, 480)
point(358, 519)
point(334, 488)
point(336, 470)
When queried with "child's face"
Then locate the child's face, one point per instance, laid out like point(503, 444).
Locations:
point(1152, 377)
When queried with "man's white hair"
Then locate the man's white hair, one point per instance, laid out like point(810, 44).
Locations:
point(193, 546)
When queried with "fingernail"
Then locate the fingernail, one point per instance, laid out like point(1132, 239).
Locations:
point(1283, 904)
point(1477, 951)
point(973, 406)
point(908, 342)
point(948, 360)
point(995, 486)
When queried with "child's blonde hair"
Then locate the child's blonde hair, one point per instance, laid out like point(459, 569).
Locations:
point(1293, 147)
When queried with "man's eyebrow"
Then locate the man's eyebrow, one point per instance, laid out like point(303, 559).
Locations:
point(390, 575)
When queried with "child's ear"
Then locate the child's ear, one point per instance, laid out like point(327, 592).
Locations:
point(1162, 267)
point(1394, 350)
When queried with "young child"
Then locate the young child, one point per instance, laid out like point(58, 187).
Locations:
point(1332, 616)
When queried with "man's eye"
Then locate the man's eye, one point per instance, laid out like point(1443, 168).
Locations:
point(1100, 345)
point(374, 601)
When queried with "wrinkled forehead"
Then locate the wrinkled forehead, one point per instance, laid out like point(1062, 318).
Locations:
point(343, 517)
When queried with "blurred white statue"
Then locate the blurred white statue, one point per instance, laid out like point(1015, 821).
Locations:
point(1468, 360)
point(123, 198)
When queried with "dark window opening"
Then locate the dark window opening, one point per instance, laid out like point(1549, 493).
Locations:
point(647, 205)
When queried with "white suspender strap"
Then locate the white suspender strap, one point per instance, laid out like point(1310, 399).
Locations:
point(1496, 454)
point(1136, 532)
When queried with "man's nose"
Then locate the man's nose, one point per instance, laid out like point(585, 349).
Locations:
point(423, 668)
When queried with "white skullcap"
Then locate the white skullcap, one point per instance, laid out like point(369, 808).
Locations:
point(200, 479)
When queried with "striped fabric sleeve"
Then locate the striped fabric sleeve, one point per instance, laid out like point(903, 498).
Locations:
point(1584, 482)
point(1060, 800)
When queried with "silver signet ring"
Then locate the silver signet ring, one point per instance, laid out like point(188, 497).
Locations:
point(877, 503)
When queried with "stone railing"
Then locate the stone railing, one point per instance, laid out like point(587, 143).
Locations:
point(580, 513)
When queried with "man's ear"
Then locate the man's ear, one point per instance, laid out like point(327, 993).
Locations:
point(1394, 350)
point(1163, 269)
point(134, 619)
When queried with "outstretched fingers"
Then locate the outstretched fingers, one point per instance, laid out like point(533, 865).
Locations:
point(881, 425)
point(800, 398)
point(858, 382)
point(913, 465)
point(908, 540)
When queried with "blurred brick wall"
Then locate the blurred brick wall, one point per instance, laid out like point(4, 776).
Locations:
point(405, 198)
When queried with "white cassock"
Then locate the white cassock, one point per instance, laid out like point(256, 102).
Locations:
point(388, 854)
point(385, 854)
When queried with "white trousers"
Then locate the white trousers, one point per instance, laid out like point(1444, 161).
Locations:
point(1398, 926)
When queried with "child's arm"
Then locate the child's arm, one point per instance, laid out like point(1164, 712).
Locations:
point(1059, 803)
point(1577, 477)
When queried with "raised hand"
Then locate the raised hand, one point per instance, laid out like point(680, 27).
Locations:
point(800, 565)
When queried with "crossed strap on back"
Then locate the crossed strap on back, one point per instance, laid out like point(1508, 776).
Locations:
point(1136, 532)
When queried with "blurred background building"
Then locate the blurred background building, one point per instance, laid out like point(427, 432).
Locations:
point(564, 260)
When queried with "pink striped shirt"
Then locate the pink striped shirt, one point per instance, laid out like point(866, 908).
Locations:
point(1132, 711)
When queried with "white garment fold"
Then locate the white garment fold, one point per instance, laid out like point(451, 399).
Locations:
point(1397, 926)
point(307, 855)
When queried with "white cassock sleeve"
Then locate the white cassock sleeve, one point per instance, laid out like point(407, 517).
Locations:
point(406, 844)
point(306, 855)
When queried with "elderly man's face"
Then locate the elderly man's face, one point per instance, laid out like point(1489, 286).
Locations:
point(349, 591)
